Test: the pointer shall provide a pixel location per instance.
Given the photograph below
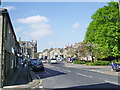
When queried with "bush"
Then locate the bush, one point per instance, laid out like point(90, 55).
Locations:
point(114, 61)
point(117, 62)
point(79, 62)
point(98, 63)
point(90, 64)
point(102, 63)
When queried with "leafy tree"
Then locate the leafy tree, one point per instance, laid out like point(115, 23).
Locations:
point(104, 30)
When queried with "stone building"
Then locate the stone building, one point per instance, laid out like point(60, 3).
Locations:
point(55, 53)
point(44, 54)
point(9, 49)
point(28, 48)
point(67, 51)
point(51, 53)
point(78, 50)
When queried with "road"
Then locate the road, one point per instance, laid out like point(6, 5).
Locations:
point(57, 76)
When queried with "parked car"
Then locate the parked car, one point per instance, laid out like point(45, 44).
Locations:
point(36, 65)
point(31, 60)
point(73, 59)
point(53, 61)
point(44, 61)
point(68, 60)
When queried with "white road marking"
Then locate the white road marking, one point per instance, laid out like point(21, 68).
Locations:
point(96, 71)
point(40, 86)
point(84, 75)
point(57, 68)
point(112, 82)
point(66, 70)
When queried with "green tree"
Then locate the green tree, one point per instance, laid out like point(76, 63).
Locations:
point(104, 30)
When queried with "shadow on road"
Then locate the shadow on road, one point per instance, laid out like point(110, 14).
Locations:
point(49, 73)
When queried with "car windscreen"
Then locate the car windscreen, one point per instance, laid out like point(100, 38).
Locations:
point(37, 62)
point(33, 59)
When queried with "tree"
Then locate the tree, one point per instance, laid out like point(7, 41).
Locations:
point(104, 30)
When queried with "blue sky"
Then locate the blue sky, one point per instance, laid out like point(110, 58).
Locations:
point(52, 24)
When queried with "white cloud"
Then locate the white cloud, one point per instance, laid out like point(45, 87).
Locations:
point(40, 26)
point(18, 29)
point(33, 20)
point(36, 27)
point(38, 34)
point(76, 25)
point(9, 7)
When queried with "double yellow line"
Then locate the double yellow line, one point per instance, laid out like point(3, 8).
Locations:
point(40, 83)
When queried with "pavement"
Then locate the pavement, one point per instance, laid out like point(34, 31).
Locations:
point(24, 78)
point(100, 69)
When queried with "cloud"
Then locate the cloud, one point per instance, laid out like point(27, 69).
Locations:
point(18, 29)
point(76, 25)
point(36, 27)
point(33, 20)
point(38, 34)
point(40, 26)
point(9, 7)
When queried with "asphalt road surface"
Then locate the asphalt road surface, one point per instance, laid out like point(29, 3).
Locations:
point(56, 76)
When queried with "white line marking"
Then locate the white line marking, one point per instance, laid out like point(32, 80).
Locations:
point(40, 86)
point(66, 70)
point(84, 75)
point(98, 71)
point(111, 82)
point(57, 68)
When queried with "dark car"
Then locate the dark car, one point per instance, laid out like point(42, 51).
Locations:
point(73, 59)
point(36, 65)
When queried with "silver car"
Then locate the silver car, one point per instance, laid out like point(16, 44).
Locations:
point(53, 61)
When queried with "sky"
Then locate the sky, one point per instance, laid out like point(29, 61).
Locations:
point(52, 24)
